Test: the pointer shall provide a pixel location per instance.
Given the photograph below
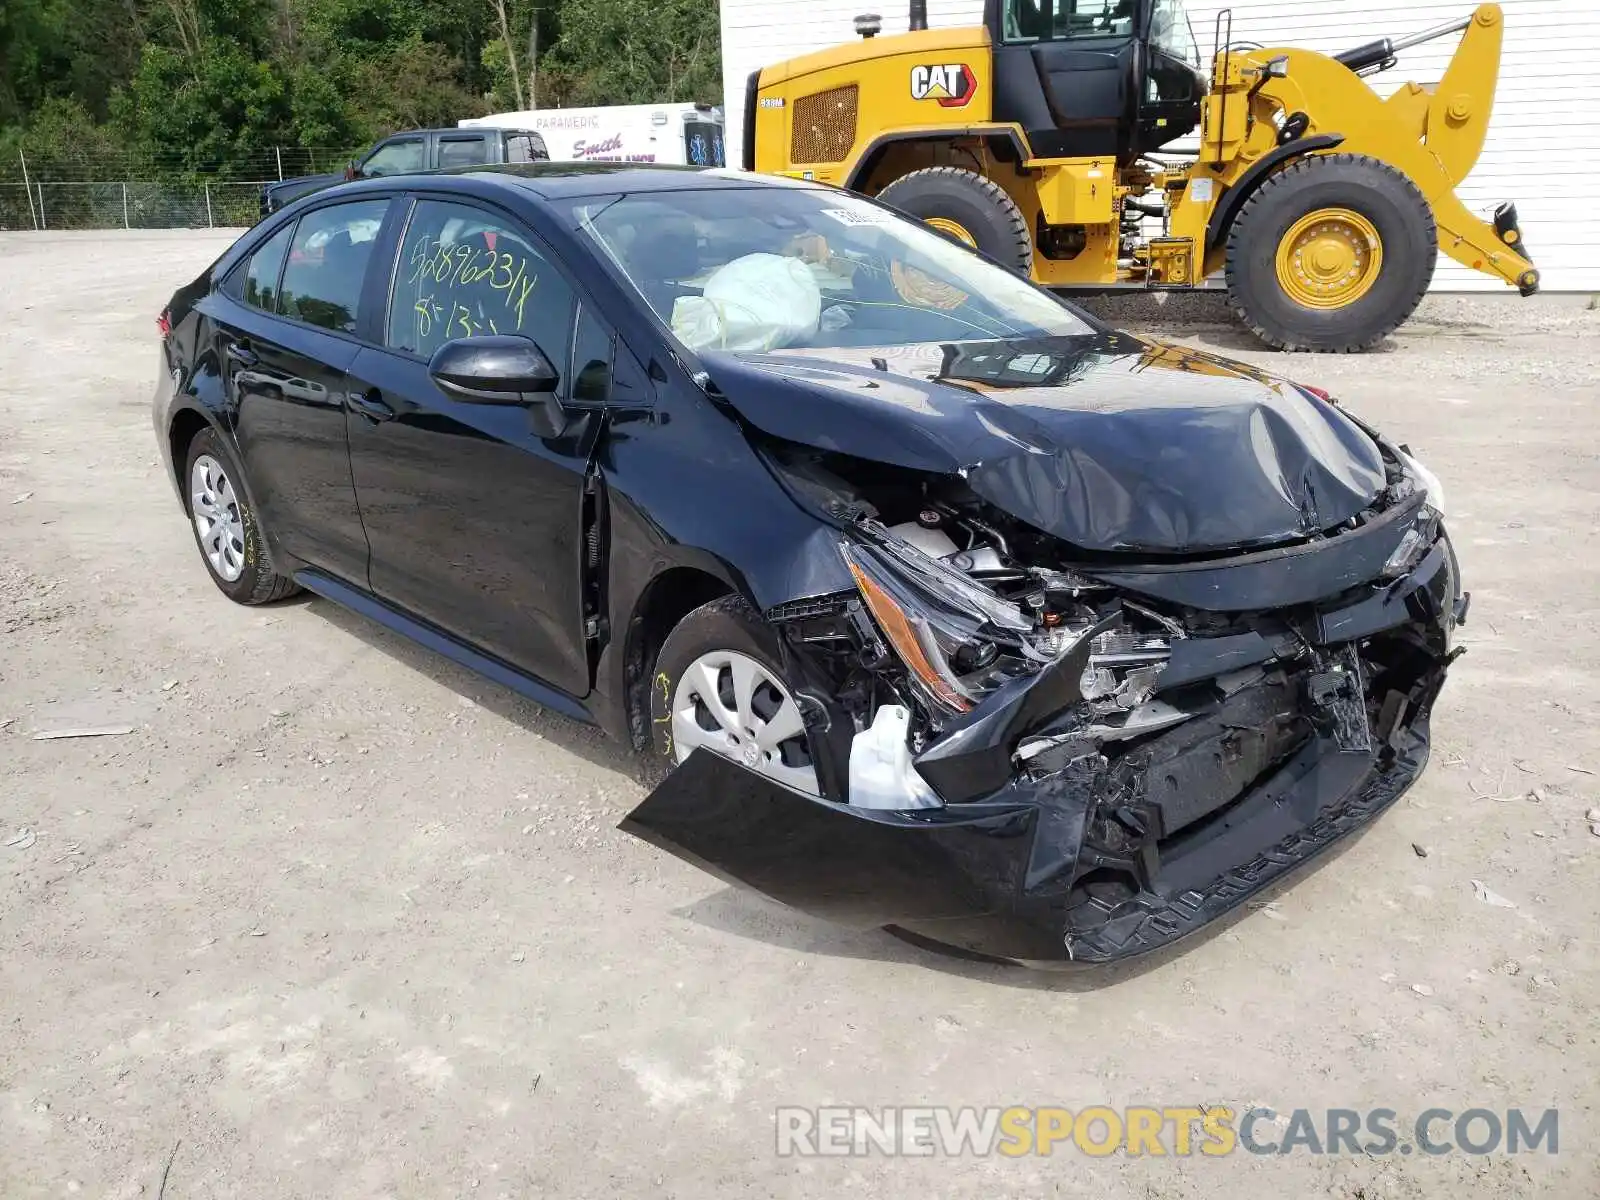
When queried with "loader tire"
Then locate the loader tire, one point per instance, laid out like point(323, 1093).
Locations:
point(1332, 253)
point(968, 207)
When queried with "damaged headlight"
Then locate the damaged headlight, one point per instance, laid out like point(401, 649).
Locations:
point(1420, 536)
point(957, 639)
point(1429, 481)
point(1408, 553)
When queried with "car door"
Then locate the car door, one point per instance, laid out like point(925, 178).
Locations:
point(474, 519)
point(286, 329)
point(1062, 70)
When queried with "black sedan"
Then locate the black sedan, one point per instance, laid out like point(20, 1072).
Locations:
point(957, 611)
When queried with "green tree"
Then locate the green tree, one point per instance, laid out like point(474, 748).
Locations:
point(413, 85)
point(214, 112)
point(640, 51)
point(62, 142)
point(115, 89)
point(78, 49)
point(321, 115)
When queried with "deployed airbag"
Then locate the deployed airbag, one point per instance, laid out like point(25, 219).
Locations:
point(753, 304)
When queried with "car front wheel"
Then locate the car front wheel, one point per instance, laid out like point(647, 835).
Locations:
point(719, 686)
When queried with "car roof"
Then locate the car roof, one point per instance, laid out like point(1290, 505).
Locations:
point(560, 180)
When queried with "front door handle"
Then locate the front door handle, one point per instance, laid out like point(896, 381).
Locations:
point(241, 353)
point(370, 404)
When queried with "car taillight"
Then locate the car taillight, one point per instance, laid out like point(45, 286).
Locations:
point(164, 324)
point(1319, 393)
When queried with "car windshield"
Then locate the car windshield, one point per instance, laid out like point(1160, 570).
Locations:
point(775, 268)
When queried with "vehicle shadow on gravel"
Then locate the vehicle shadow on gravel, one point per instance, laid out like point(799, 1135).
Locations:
point(1203, 318)
point(585, 741)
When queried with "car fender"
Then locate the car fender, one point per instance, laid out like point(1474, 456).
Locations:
point(668, 470)
point(203, 396)
point(661, 488)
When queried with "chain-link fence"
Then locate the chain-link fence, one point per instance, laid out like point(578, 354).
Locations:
point(126, 192)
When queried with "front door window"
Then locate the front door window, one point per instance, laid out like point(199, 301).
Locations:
point(464, 273)
point(1170, 31)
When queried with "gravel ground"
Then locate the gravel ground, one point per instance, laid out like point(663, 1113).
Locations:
point(338, 919)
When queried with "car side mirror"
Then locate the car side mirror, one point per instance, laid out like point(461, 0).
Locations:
point(501, 369)
point(351, 170)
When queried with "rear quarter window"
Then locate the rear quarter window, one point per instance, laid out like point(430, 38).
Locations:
point(255, 280)
point(526, 147)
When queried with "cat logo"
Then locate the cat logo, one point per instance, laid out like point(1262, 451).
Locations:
point(951, 84)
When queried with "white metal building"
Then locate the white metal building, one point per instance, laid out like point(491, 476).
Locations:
point(1543, 149)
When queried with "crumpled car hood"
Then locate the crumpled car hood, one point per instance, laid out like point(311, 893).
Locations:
point(1107, 441)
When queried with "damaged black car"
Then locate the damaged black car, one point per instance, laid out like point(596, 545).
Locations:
point(953, 610)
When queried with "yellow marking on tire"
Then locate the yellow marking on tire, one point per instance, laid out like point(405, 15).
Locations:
point(665, 684)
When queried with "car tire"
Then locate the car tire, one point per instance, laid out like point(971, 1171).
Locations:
point(694, 700)
point(968, 207)
point(225, 527)
point(1367, 217)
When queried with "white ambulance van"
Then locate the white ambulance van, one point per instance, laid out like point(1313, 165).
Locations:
point(647, 133)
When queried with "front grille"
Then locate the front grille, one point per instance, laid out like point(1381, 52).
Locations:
point(824, 126)
point(1204, 765)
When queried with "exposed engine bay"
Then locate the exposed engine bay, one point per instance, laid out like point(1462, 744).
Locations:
point(1010, 603)
point(1004, 616)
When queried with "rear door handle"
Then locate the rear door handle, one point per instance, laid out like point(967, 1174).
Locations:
point(370, 404)
point(241, 353)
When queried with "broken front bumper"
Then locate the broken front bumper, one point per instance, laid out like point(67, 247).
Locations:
point(1106, 855)
point(995, 877)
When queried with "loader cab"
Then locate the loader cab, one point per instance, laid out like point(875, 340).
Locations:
point(1089, 78)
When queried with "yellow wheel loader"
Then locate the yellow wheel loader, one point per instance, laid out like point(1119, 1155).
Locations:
point(1037, 139)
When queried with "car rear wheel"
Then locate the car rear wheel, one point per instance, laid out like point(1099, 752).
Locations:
point(719, 686)
point(225, 528)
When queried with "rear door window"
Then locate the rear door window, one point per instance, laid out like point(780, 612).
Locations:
point(328, 264)
point(702, 144)
point(466, 272)
point(462, 151)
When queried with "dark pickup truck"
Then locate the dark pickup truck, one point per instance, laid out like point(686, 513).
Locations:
point(418, 150)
